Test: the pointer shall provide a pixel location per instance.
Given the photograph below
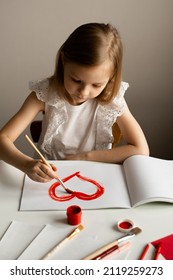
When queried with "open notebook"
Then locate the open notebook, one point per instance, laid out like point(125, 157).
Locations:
point(139, 180)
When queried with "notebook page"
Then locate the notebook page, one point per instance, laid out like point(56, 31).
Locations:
point(149, 179)
point(111, 176)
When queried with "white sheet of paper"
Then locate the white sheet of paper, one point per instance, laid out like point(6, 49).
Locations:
point(49, 237)
point(35, 195)
point(16, 238)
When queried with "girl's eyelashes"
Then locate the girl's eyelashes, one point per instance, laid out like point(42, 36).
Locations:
point(97, 86)
point(76, 80)
point(79, 82)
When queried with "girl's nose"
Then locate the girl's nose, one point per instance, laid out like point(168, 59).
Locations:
point(83, 91)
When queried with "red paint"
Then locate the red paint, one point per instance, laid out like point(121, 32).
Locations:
point(79, 195)
point(125, 225)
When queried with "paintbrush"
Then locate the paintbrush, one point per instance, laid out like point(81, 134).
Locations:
point(45, 161)
point(70, 236)
point(100, 251)
point(114, 249)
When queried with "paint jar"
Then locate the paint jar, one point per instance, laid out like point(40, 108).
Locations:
point(74, 215)
point(125, 225)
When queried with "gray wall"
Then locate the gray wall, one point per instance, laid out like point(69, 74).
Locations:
point(32, 31)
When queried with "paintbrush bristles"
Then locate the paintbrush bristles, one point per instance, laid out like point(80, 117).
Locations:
point(136, 230)
point(80, 227)
point(76, 231)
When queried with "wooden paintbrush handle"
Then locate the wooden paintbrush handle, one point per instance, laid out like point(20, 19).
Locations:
point(101, 250)
point(38, 152)
point(53, 250)
point(46, 162)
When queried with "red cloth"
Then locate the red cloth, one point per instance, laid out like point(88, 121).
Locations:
point(167, 246)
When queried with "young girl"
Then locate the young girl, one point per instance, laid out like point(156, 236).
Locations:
point(81, 102)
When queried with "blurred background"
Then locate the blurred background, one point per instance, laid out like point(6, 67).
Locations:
point(32, 32)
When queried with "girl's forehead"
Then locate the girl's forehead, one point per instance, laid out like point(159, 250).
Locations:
point(96, 74)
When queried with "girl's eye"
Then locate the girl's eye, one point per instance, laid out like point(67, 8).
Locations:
point(76, 81)
point(97, 86)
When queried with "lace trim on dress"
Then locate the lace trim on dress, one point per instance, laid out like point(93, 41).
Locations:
point(54, 117)
point(57, 117)
point(41, 88)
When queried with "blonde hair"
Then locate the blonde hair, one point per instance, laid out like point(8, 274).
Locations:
point(90, 45)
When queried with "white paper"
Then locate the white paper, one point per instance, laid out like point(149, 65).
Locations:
point(49, 237)
point(149, 179)
point(111, 176)
point(17, 237)
point(139, 180)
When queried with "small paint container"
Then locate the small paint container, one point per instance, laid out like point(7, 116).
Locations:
point(125, 225)
point(74, 215)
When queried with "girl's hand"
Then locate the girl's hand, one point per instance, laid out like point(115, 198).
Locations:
point(40, 172)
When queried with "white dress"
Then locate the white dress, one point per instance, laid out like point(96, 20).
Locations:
point(69, 129)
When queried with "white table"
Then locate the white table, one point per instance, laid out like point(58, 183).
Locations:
point(155, 220)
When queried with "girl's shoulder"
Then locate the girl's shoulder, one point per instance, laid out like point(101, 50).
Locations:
point(116, 107)
point(119, 98)
point(41, 88)
point(46, 93)
point(123, 87)
point(118, 102)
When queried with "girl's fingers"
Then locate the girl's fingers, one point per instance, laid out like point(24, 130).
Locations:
point(42, 173)
point(54, 168)
point(47, 172)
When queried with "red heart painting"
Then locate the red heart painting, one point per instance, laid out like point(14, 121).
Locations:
point(79, 195)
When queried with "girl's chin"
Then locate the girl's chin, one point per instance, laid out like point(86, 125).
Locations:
point(78, 100)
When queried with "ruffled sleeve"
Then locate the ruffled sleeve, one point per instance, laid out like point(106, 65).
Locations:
point(118, 102)
point(55, 110)
point(106, 117)
point(41, 88)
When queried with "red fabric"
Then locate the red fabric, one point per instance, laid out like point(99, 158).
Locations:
point(167, 246)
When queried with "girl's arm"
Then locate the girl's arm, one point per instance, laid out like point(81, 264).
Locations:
point(35, 169)
point(136, 143)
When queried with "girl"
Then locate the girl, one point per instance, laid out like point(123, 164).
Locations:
point(81, 102)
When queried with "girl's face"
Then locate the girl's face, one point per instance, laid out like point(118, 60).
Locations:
point(85, 82)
